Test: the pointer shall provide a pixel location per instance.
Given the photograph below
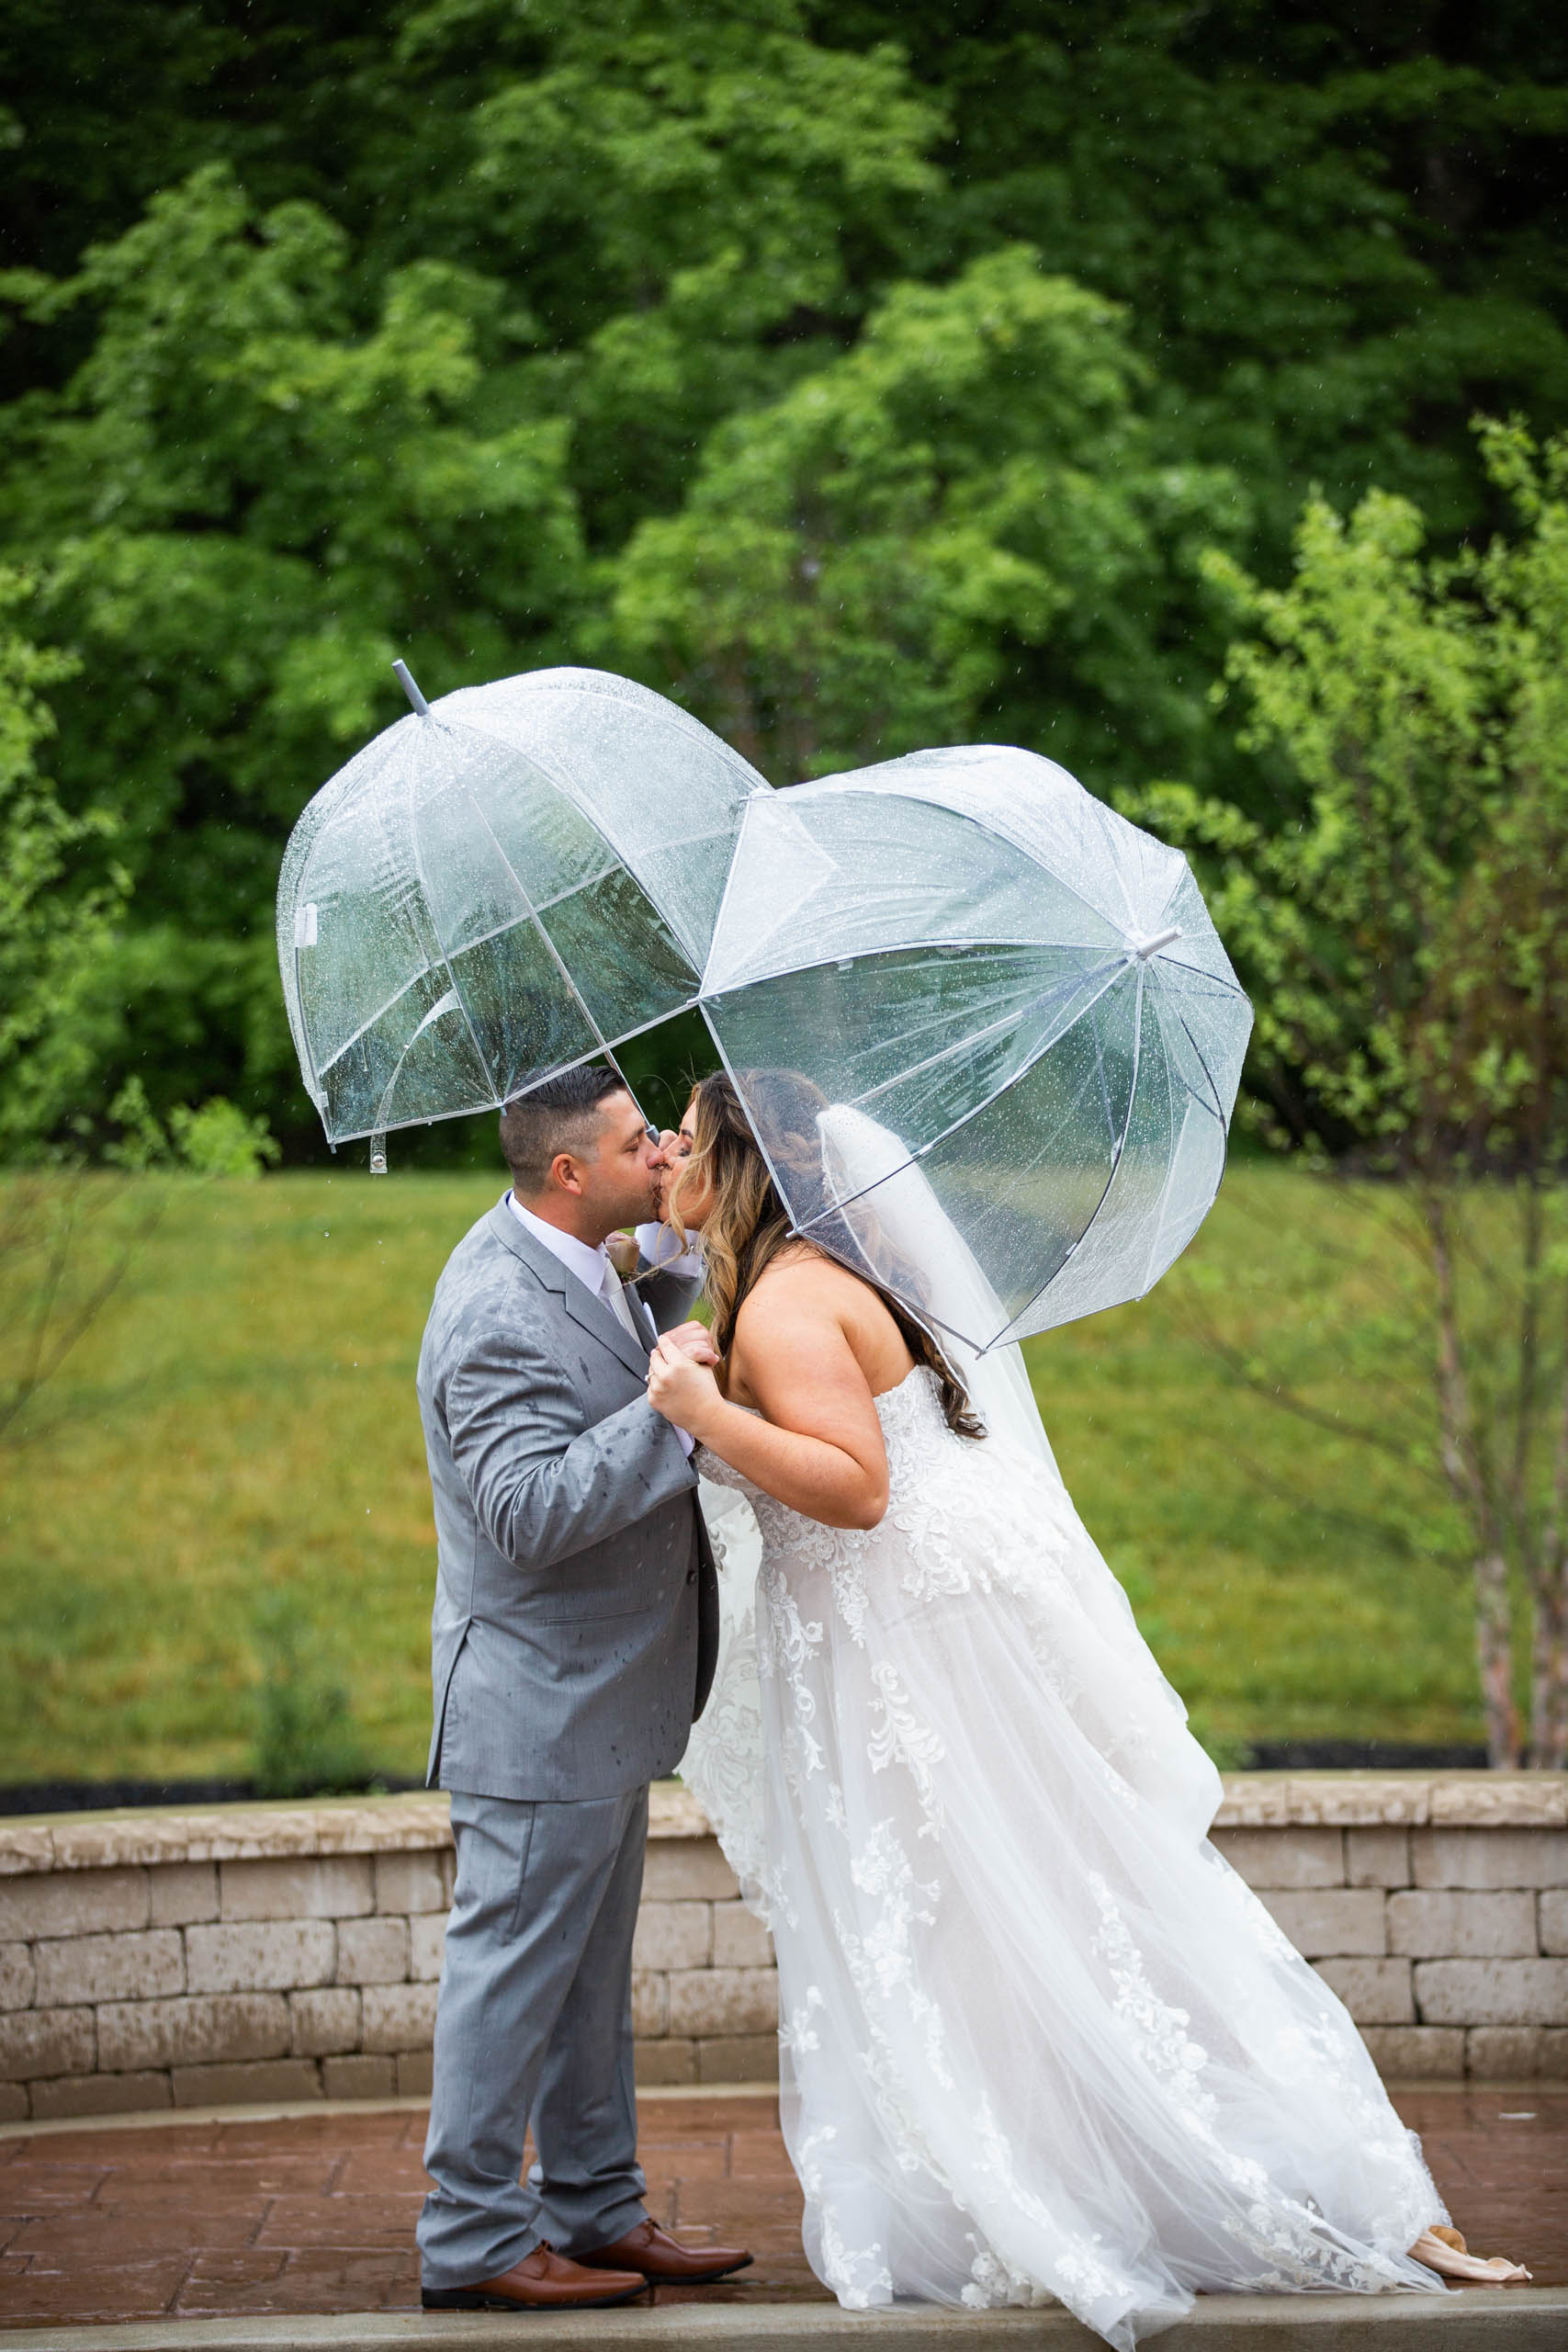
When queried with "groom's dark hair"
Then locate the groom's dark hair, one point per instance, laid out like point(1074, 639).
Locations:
point(561, 1116)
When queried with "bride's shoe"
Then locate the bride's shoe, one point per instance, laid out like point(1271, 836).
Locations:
point(1444, 2250)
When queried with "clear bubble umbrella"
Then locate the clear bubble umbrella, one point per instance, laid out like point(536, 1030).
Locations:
point(512, 880)
point(986, 1032)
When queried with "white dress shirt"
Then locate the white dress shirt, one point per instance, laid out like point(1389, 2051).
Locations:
point(594, 1271)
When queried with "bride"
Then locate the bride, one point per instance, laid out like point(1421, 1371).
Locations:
point(1038, 2040)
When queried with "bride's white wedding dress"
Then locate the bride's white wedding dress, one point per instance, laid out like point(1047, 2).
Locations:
point(1038, 2039)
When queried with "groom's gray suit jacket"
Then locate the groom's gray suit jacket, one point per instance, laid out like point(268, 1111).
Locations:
point(576, 1619)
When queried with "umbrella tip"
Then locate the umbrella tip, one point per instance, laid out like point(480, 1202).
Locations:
point(404, 677)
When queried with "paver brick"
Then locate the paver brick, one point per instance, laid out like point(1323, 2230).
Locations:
point(739, 1939)
point(1441, 1923)
point(1326, 1920)
point(674, 1935)
point(46, 2042)
point(1377, 1857)
point(372, 1951)
point(738, 2058)
point(1491, 1992)
point(687, 1870)
point(203, 2027)
point(143, 1965)
point(427, 1944)
point(728, 2001)
point(1552, 1922)
point(331, 1886)
point(262, 1955)
point(246, 2083)
point(1488, 1858)
point(326, 2021)
point(1411, 2052)
point(359, 2076)
point(661, 2064)
point(650, 2002)
point(398, 2016)
point(18, 1977)
point(1376, 1992)
point(72, 1903)
point(183, 1892)
point(101, 2095)
point(414, 2072)
point(1285, 1858)
point(1501, 2053)
point(407, 1883)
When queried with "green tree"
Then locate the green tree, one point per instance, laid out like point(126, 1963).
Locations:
point(860, 567)
point(1407, 944)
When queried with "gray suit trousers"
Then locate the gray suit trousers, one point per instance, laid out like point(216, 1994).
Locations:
point(533, 2025)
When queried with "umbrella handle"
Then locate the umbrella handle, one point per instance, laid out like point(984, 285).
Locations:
point(377, 1154)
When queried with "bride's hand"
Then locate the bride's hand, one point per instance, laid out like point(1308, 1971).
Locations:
point(684, 1391)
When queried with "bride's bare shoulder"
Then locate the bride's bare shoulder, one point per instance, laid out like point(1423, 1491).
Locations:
point(801, 1280)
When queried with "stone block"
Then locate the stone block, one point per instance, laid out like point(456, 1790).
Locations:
point(24, 1850)
point(144, 1965)
point(1503, 2054)
point(261, 1955)
point(650, 2002)
point(183, 1892)
point(405, 1882)
point(372, 1951)
point(35, 2042)
point(1324, 1920)
point(1442, 1923)
point(1491, 1992)
point(101, 2095)
point(326, 2022)
point(661, 2064)
point(1500, 1798)
point(15, 2104)
point(1409, 2054)
point(1253, 1801)
point(427, 1944)
point(1285, 1858)
point(331, 1886)
point(17, 1977)
point(72, 1903)
point(739, 1939)
point(1377, 1857)
point(1554, 2052)
point(246, 2085)
point(1490, 1858)
point(414, 2071)
point(359, 2077)
point(687, 1870)
point(1359, 1800)
point(203, 2028)
point(1376, 1992)
point(1551, 1923)
point(674, 1935)
point(738, 2058)
point(398, 2016)
point(723, 2001)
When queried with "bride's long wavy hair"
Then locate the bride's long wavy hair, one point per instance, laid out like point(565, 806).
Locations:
point(749, 1226)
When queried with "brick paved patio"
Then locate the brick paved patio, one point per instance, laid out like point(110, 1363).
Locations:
point(315, 2213)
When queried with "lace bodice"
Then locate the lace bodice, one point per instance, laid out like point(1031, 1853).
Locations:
point(915, 1432)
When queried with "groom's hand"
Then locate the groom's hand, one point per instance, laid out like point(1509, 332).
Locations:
point(694, 1340)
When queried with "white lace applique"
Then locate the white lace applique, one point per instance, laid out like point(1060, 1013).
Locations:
point(902, 1738)
point(798, 2035)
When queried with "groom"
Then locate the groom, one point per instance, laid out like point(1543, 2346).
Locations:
point(573, 1643)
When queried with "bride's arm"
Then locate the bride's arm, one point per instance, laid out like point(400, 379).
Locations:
point(819, 1449)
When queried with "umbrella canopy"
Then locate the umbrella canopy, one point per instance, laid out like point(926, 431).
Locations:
point(512, 880)
point(985, 1030)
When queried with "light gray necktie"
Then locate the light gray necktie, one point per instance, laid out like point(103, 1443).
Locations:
point(613, 1292)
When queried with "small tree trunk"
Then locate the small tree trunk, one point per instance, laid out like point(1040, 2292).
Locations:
point(1494, 1656)
point(1549, 1674)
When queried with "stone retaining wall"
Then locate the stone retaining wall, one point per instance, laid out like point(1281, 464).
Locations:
point(270, 1954)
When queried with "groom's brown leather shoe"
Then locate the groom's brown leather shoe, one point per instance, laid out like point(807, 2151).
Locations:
point(663, 2260)
point(543, 2281)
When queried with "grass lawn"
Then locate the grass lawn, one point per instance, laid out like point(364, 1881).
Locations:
point(241, 1423)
